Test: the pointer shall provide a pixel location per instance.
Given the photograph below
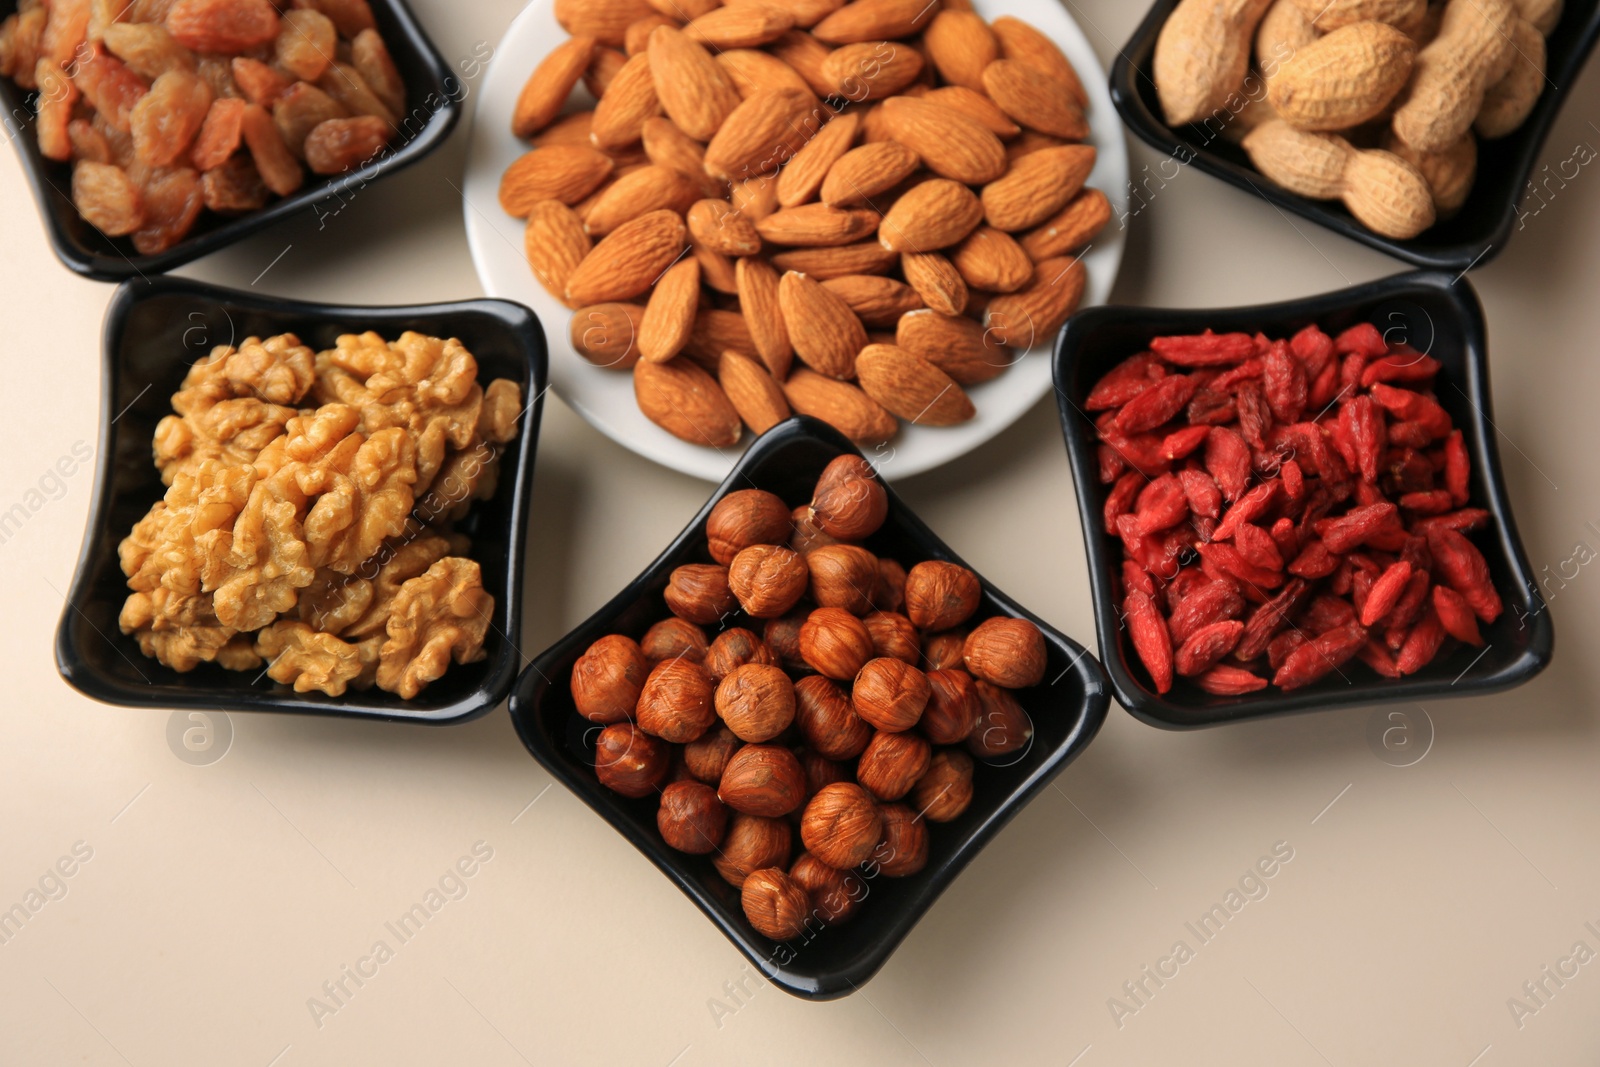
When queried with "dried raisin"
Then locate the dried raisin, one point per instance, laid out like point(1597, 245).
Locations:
point(339, 145)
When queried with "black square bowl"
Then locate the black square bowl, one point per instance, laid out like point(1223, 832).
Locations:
point(1067, 710)
point(153, 332)
point(433, 107)
point(1471, 238)
point(1436, 314)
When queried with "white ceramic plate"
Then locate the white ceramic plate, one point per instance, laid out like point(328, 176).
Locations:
point(605, 397)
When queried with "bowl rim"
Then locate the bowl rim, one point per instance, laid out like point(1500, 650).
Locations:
point(1478, 429)
point(1459, 257)
point(523, 332)
point(442, 120)
point(536, 682)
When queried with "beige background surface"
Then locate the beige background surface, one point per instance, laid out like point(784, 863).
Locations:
point(219, 898)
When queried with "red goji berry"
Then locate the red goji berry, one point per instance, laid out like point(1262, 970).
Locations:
point(1229, 380)
point(1284, 536)
point(1256, 547)
point(1120, 500)
point(1110, 464)
point(1409, 606)
point(1364, 423)
point(1355, 526)
point(1230, 681)
point(1205, 350)
point(1284, 381)
point(1385, 593)
point(1326, 613)
point(1222, 560)
point(1142, 452)
point(1255, 418)
point(1401, 403)
point(1361, 339)
point(1228, 459)
point(1151, 641)
point(1294, 481)
point(1265, 622)
point(1368, 494)
point(1462, 520)
point(1456, 615)
point(1409, 471)
point(1422, 644)
point(1249, 507)
point(1159, 554)
point(1403, 366)
point(1314, 561)
point(1282, 645)
point(1155, 405)
point(1125, 381)
point(1432, 502)
point(1136, 577)
point(1432, 417)
point(1210, 603)
point(1313, 348)
point(1210, 408)
point(1132, 538)
point(1161, 505)
point(1376, 655)
point(1408, 435)
point(1206, 647)
point(1179, 443)
point(1205, 499)
point(1324, 387)
point(1320, 656)
point(1457, 468)
point(1464, 569)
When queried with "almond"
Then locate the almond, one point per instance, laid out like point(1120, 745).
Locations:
point(931, 215)
point(990, 260)
point(758, 301)
point(862, 173)
point(684, 10)
point(1035, 99)
point(606, 21)
point(629, 259)
point(803, 175)
point(1073, 227)
point(716, 269)
point(669, 316)
point(568, 129)
point(1026, 45)
point(755, 198)
point(805, 55)
point(957, 346)
point(840, 405)
point(603, 69)
point(715, 332)
point(762, 133)
point(824, 331)
point(694, 91)
point(751, 71)
point(743, 25)
point(684, 400)
point(936, 281)
point(1030, 141)
point(630, 99)
point(868, 257)
point(555, 244)
point(975, 105)
point(818, 225)
point(638, 39)
point(874, 20)
point(567, 173)
point(714, 224)
point(961, 44)
point(667, 146)
point(1037, 186)
point(877, 301)
point(911, 387)
point(872, 70)
point(949, 143)
point(605, 334)
point(757, 398)
point(806, 13)
point(1031, 316)
point(650, 188)
point(550, 84)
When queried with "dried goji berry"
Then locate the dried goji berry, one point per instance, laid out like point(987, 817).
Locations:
point(1385, 593)
point(1345, 532)
point(1313, 348)
point(1255, 418)
point(1222, 560)
point(1326, 613)
point(1210, 408)
point(1284, 382)
point(1210, 603)
point(1350, 374)
point(1110, 463)
point(1205, 350)
point(1120, 500)
point(1318, 657)
point(1155, 405)
point(1179, 443)
point(1141, 451)
point(1230, 681)
point(1229, 380)
point(1250, 507)
point(1462, 520)
point(1265, 622)
point(1294, 481)
point(1464, 569)
point(1161, 554)
point(1206, 647)
point(1376, 655)
point(1361, 339)
point(1256, 547)
point(1457, 468)
point(1150, 638)
point(1433, 502)
point(1402, 366)
point(1456, 615)
point(1411, 601)
point(1284, 536)
point(1365, 425)
point(1228, 459)
point(1422, 644)
point(1408, 472)
point(1162, 504)
point(1136, 577)
point(1132, 539)
point(1187, 581)
point(1125, 381)
point(1314, 561)
point(1324, 387)
point(1280, 647)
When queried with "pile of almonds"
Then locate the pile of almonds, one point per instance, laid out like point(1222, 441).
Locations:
point(890, 190)
point(842, 695)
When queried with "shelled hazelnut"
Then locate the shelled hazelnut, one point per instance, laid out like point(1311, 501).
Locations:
point(890, 694)
point(806, 536)
point(904, 848)
point(752, 843)
point(629, 761)
point(676, 702)
point(945, 790)
point(691, 818)
point(891, 592)
point(743, 518)
point(699, 593)
point(843, 576)
point(1007, 652)
point(945, 651)
point(735, 648)
point(821, 771)
point(607, 679)
point(835, 643)
point(892, 763)
point(841, 825)
point(775, 904)
point(828, 720)
point(1003, 725)
point(674, 638)
point(940, 595)
point(707, 756)
point(894, 636)
point(952, 707)
point(763, 780)
point(756, 701)
point(834, 894)
point(849, 503)
point(768, 580)
point(782, 635)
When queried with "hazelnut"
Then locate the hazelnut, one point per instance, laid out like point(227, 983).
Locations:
point(1006, 651)
point(734, 648)
point(782, 635)
point(1003, 725)
point(843, 576)
point(894, 636)
point(679, 771)
point(707, 756)
point(821, 771)
point(904, 848)
point(891, 592)
point(807, 535)
point(691, 818)
point(699, 592)
point(952, 707)
point(763, 780)
point(756, 701)
point(827, 719)
point(775, 904)
point(835, 643)
point(743, 518)
point(607, 678)
point(944, 651)
point(629, 761)
point(674, 638)
point(676, 703)
point(849, 502)
point(890, 694)
point(834, 893)
point(768, 579)
point(946, 790)
point(841, 825)
point(892, 764)
point(751, 844)
point(940, 595)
